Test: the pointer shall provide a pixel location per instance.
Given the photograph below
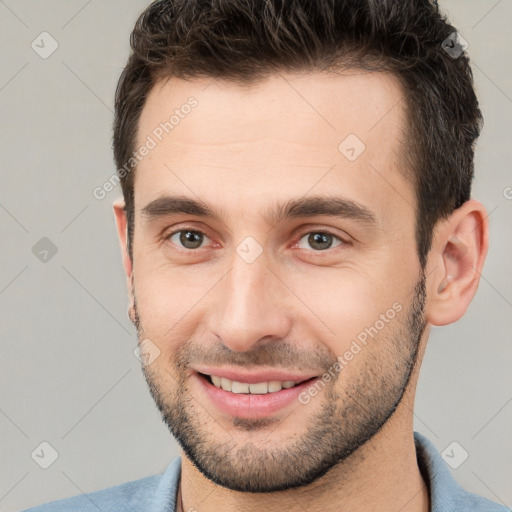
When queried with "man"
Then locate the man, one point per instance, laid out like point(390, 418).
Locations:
point(297, 215)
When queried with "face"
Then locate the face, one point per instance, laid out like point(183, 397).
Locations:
point(273, 251)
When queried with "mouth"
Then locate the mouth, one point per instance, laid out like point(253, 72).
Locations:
point(257, 399)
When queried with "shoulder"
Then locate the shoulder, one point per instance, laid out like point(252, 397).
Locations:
point(122, 497)
point(446, 495)
point(126, 497)
point(468, 501)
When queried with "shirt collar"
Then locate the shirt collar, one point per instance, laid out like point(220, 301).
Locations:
point(164, 499)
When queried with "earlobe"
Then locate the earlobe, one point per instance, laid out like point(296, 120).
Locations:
point(121, 225)
point(131, 313)
point(459, 248)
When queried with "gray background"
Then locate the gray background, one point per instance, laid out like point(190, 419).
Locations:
point(68, 373)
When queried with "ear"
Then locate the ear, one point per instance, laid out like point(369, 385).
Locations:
point(122, 233)
point(459, 248)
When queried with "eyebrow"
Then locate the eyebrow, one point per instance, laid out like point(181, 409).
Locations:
point(331, 206)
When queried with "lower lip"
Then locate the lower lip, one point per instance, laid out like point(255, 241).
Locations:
point(245, 405)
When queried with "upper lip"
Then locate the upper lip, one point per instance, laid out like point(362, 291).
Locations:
point(253, 377)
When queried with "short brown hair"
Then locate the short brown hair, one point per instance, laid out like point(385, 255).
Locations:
point(247, 40)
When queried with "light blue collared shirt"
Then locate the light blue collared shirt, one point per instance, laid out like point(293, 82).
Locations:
point(158, 493)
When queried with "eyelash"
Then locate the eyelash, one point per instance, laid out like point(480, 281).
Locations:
point(300, 237)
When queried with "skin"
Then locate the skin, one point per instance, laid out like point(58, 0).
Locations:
point(241, 150)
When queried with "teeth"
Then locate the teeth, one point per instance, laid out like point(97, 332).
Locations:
point(226, 384)
point(258, 388)
point(274, 385)
point(239, 387)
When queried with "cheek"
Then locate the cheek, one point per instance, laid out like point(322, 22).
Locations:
point(162, 300)
point(345, 302)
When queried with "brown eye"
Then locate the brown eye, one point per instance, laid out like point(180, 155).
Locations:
point(320, 240)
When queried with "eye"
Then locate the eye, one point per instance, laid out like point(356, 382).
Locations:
point(188, 238)
point(320, 240)
point(191, 239)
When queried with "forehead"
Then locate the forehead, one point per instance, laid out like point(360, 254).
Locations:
point(284, 135)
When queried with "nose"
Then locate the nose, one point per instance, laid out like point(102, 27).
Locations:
point(251, 304)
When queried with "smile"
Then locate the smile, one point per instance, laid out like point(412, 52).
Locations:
point(250, 400)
